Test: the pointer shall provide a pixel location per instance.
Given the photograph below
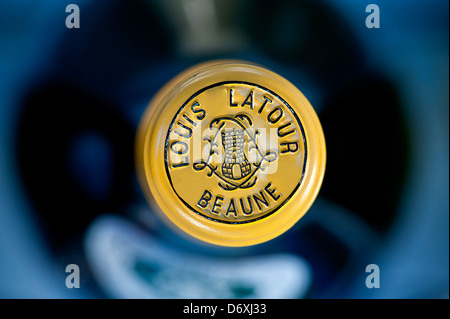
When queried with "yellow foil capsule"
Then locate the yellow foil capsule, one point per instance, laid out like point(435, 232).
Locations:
point(231, 153)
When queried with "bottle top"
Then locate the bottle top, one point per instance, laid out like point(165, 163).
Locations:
point(230, 153)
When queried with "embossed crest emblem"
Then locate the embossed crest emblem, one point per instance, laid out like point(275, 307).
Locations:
point(238, 138)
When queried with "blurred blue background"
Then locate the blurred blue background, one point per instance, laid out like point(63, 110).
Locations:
point(71, 100)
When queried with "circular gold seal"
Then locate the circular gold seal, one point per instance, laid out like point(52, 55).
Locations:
point(231, 153)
